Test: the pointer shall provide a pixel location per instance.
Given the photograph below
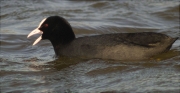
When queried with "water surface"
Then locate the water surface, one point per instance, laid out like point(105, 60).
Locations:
point(34, 69)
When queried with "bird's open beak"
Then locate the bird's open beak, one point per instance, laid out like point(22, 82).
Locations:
point(37, 31)
point(34, 32)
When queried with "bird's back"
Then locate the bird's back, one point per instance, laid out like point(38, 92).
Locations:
point(121, 46)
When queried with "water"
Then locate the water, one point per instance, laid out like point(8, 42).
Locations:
point(34, 69)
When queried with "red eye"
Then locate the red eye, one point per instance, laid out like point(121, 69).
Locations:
point(45, 25)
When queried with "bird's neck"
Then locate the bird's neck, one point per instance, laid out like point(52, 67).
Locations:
point(62, 40)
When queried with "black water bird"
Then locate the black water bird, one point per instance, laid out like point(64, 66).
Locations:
point(118, 46)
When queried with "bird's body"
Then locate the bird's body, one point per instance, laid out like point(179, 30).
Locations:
point(117, 46)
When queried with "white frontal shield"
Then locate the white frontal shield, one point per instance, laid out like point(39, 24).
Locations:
point(37, 31)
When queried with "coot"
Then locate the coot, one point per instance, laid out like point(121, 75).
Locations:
point(118, 46)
